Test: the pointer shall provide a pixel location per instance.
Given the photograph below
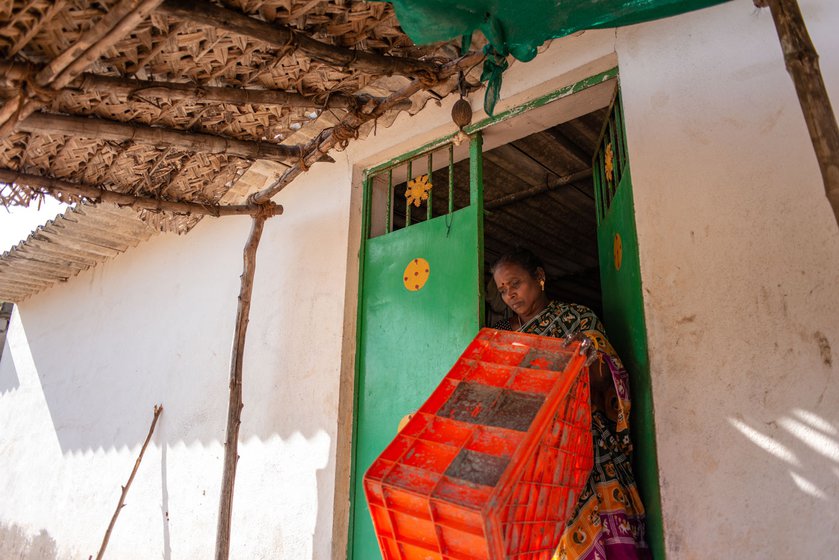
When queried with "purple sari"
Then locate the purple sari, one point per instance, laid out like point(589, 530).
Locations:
point(608, 520)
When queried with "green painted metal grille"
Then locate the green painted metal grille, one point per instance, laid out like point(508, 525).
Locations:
point(390, 184)
point(610, 162)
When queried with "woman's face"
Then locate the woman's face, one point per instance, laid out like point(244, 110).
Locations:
point(519, 289)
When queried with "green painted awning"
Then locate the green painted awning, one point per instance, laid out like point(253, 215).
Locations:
point(518, 27)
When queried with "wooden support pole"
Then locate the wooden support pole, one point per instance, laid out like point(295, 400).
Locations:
point(57, 187)
point(120, 20)
point(235, 405)
point(90, 82)
point(284, 37)
point(349, 126)
point(157, 410)
point(67, 125)
point(802, 62)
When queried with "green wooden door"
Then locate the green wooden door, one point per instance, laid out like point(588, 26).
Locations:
point(623, 306)
point(420, 306)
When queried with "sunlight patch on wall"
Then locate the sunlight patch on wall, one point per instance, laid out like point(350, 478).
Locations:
point(813, 439)
point(765, 442)
point(815, 421)
point(807, 487)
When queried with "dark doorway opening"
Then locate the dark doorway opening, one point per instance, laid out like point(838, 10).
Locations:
point(539, 194)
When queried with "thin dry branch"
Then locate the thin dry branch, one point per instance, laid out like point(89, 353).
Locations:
point(284, 37)
point(235, 405)
point(802, 62)
point(157, 410)
point(120, 20)
point(112, 37)
point(348, 127)
point(62, 189)
point(156, 136)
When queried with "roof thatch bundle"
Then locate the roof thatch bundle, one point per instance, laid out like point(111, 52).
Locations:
point(173, 101)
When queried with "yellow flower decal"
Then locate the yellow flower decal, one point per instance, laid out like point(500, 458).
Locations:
point(610, 165)
point(417, 190)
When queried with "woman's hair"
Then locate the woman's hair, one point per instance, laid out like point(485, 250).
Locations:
point(521, 257)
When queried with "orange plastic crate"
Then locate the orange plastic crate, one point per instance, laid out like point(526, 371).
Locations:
point(492, 465)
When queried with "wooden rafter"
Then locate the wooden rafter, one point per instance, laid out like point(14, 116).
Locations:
point(58, 187)
point(105, 33)
point(168, 90)
point(537, 190)
point(348, 127)
point(284, 37)
point(195, 141)
point(575, 151)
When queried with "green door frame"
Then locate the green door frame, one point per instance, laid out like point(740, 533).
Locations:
point(623, 305)
point(649, 467)
point(476, 202)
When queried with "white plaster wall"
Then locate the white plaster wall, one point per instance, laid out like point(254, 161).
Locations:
point(740, 268)
point(86, 361)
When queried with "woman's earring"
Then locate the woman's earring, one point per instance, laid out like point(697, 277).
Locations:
point(542, 283)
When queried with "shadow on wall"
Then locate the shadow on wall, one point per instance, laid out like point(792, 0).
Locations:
point(102, 371)
point(140, 341)
point(15, 544)
point(807, 447)
point(9, 380)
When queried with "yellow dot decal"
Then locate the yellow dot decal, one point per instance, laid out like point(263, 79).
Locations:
point(618, 248)
point(416, 274)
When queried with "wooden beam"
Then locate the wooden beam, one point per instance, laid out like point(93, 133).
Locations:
point(90, 82)
point(238, 96)
point(120, 20)
point(58, 187)
point(156, 136)
point(284, 37)
point(574, 150)
point(802, 62)
point(349, 126)
point(539, 189)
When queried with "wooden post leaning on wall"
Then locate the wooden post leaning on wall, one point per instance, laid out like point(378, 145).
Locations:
point(802, 62)
point(158, 408)
point(235, 405)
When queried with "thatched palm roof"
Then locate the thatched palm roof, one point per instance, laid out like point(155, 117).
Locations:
point(174, 101)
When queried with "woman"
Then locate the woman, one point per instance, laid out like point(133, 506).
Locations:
point(608, 520)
